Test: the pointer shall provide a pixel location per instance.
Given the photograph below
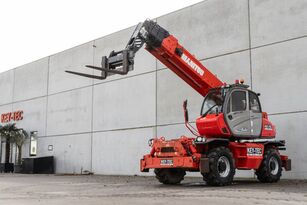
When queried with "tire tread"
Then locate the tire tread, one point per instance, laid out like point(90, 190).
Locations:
point(263, 173)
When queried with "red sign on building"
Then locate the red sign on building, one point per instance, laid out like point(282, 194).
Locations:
point(12, 116)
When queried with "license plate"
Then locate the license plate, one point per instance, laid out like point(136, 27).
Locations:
point(166, 162)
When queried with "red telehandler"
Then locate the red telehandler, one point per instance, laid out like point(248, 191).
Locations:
point(232, 131)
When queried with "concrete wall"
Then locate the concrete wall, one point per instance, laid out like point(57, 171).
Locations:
point(103, 126)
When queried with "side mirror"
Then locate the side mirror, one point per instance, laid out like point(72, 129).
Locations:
point(185, 111)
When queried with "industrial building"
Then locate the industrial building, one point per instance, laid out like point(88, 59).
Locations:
point(104, 126)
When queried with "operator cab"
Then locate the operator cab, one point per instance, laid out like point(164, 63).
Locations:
point(236, 111)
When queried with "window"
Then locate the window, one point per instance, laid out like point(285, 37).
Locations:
point(212, 101)
point(254, 104)
point(238, 101)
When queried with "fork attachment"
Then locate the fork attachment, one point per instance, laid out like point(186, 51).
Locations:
point(118, 62)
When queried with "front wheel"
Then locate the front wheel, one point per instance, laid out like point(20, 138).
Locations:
point(170, 176)
point(222, 169)
point(270, 168)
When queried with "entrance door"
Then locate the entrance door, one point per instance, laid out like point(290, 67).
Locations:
point(255, 114)
point(238, 114)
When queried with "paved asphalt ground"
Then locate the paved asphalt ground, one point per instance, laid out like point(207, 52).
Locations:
point(21, 189)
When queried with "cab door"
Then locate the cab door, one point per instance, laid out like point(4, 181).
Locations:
point(237, 113)
point(255, 114)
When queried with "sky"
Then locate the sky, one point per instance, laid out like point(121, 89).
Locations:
point(33, 29)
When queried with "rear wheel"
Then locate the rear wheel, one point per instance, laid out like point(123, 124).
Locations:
point(222, 169)
point(170, 176)
point(270, 168)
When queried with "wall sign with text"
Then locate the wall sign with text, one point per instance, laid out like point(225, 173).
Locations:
point(12, 116)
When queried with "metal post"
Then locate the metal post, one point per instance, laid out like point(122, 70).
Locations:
point(33, 143)
point(0, 149)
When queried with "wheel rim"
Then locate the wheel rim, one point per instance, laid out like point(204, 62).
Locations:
point(274, 166)
point(223, 166)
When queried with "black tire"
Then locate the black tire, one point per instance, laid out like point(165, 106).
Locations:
point(270, 168)
point(222, 168)
point(170, 176)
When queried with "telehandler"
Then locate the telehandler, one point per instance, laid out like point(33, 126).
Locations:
point(232, 130)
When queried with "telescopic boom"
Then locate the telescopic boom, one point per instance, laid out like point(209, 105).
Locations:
point(166, 49)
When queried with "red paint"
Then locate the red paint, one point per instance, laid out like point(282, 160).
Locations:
point(268, 129)
point(212, 126)
point(178, 154)
point(243, 160)
point(186, 66)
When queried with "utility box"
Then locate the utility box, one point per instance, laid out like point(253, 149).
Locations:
point(38, 165)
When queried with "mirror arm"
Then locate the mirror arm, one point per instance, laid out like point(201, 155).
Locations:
point(186, 119)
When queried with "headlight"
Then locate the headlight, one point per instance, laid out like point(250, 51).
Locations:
point(199, 139)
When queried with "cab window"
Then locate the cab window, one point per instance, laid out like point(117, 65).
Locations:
point(213, 101)
point(237, 101)
point(254, 104)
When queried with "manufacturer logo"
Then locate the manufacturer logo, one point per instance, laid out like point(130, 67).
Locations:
point(192, 64)
point(254, 151)
point(268, 127)
point(241, 129)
